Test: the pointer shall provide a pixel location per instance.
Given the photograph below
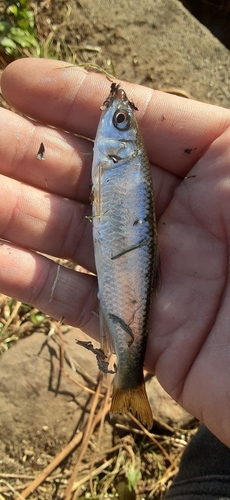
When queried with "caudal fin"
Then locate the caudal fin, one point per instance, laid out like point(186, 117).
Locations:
point(134, 400)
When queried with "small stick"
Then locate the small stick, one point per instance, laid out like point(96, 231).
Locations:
point(104, 413)
point(86, 389)
point(87, 434)
point(11, 317)
point(147, 433)
point(95, 472)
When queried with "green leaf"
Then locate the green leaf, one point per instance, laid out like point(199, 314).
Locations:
point(8, 43)
point(23, 38)
point(17, 27)
point(133, 476)
point(30, 17)
point(13, 9)
point(24, 3)
point(4, 26)
point(37, 318)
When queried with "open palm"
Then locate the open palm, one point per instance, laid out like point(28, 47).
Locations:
point(43, 205)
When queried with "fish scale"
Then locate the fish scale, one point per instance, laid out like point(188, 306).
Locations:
point(125, 246)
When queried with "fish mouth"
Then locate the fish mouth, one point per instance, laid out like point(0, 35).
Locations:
point(116, 92)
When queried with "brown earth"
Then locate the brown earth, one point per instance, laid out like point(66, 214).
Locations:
point(155, 43)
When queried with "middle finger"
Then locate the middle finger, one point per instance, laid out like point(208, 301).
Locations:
point(66, 169)
point(45, 222)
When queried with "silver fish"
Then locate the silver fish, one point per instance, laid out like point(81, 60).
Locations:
point(126, 248)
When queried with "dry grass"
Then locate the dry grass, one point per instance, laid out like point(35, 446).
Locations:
point(139, 465)
point(18, 320)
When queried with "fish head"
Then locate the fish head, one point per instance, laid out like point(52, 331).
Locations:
point(118, 121)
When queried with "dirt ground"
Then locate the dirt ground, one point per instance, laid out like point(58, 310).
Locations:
point(154, 43)
point(157, 44)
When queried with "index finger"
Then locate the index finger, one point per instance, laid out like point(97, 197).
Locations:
point(176, 131)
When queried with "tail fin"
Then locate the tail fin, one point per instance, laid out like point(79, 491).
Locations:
point(136, 400)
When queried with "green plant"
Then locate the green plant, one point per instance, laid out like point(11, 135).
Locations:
point(17, 28)
point(133, 475)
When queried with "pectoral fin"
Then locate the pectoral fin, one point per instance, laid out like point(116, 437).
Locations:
point(106, 340)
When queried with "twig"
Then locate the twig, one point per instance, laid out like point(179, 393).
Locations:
point(11, 317)
point(96, 421)
point(150, 436)
point(19, 487)
point(104, 413)
point(86, 389)
point(87, 434)
point(47, 471)
point(11, 488)
point(95, 472)
point(16, 476)
point(163, 424)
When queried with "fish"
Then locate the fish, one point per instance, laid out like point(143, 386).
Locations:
point(125, 248)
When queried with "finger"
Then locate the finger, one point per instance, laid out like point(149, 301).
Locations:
point(66, 169)
point(60, 292)
point(176, 130)
point(45, 222)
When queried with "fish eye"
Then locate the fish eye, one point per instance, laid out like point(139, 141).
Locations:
point(121, 119)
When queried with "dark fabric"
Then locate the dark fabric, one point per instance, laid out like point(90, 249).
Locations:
point(204, 472)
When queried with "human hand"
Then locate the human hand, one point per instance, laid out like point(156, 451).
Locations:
point(43, 205)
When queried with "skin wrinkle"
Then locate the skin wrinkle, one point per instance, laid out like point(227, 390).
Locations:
point(18, 145)
point(31, 131)
point(188, 201)
point(25, 293)
point(224, 223)
point(12, 160)
point(73, 230)
point(83, 184)
point(71, 107)
point(165, 191)
point(213, 319)
point(41, 221)
point(41, 299)
point(79, 165)
point(84, 299)
point(145, 115)
point(50, 265)
point(71, 245)
point(67, 69)
point(76, 230)
point(79, 161)
point(83, 322)
point(86, 229)
point(25, 202)
point(63, 103)
point(176, 392)
point(189, 160)
point(224, 123)
point(18, 193)
point(34, 136)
